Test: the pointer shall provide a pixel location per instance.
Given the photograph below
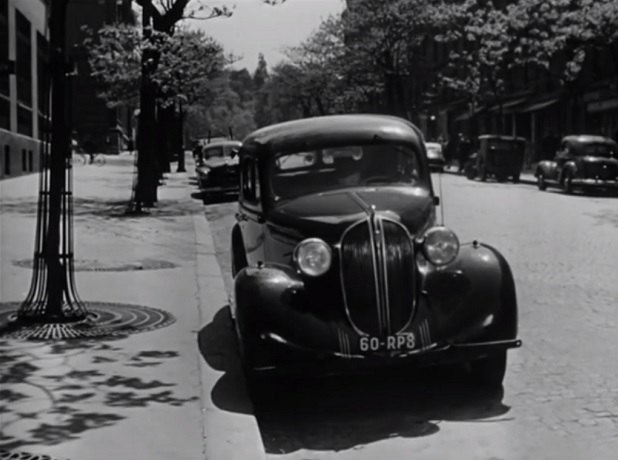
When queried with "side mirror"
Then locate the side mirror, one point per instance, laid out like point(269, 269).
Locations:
point(436, 200)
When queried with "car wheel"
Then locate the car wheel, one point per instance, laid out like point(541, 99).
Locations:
point(540, 181)
point(489, 371)
point(483, 173)
point(568, 184)
point(516, 178)
point(501, 177)
point(470, 171)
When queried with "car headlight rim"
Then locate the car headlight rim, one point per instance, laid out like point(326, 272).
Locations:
point(313, 257)
point(440, 245)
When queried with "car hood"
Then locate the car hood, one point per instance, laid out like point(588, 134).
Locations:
point(329, 214)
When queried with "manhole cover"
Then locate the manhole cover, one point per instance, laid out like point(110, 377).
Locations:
point(4, 455)
point(109, 320)
point(102, 266)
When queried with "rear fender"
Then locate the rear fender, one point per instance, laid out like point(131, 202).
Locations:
point(473, 298)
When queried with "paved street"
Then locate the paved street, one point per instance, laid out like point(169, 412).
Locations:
point(560, 397)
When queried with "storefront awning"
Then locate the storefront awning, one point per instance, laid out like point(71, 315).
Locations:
point(467, 115)
point(508, 107)
point(539, 105)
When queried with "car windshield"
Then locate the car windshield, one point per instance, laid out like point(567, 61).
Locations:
point(312, 171)
point(597, 150)
point(217, 151)
point(503, 145)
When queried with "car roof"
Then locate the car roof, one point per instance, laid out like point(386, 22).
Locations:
point(588, 139)
point(227, 143)
point(502, 137)
point(333, 130)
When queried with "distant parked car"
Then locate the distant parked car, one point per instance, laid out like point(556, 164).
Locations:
point(217, 169)
point(498, 156)
point(435, 156)
point(339, 263)
point(582, 161)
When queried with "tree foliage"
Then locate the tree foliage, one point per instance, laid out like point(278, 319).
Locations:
point(185, 61)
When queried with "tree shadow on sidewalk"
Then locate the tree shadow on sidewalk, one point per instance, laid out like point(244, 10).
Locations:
point(108, 208)
point(342, 412)
point(52, 392)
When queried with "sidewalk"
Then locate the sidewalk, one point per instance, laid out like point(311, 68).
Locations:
point(148, 395)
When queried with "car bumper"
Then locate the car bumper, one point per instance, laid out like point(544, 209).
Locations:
point(297, 358)
point(595, 182)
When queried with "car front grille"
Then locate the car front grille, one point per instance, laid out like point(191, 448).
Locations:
point(600, 170)
point(377, 276)
point(225, 175)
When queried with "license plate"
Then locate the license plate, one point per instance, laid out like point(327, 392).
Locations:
point(397, 342)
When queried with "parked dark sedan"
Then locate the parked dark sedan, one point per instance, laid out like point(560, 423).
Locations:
point(217, 169)
point(338, 259)
point(435, 156)
point(582, 161)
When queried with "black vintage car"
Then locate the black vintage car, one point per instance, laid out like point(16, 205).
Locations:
point(498, 156)
point(217, 168)
point(338, 259)
point(582, 161)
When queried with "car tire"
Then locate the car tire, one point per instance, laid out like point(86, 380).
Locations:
point(489, 371)
point(516, 178)
point(540, 181)
point(470, 171)
point(567, 184)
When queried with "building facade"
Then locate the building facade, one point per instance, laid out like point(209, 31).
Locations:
point(96, 127)
point(23, 108)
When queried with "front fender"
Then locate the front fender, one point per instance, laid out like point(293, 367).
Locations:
point(271, 298)
point(473, 298)
point(547, 168)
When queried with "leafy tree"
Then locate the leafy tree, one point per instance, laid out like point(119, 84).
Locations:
point(186, 61)
point(260, 78)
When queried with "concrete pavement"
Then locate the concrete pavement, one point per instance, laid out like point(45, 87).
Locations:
point(149, 395)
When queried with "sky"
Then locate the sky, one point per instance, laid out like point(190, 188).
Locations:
point(258, 28)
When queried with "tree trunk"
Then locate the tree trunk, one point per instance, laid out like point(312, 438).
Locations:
point(146, 187)
point(179, 140)
point(56, 281)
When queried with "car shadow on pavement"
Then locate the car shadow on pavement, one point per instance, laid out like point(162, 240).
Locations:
point(335, 413)
point(52, 392)
point(218, 346)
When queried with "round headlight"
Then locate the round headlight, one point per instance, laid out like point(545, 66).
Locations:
point(440, 245)
point(313, 257)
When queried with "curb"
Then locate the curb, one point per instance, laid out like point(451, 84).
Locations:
point(227, 435)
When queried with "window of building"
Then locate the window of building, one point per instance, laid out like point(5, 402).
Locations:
point(4, 44)
point(5, 113)
point(24, 120)
point(7, 160)
point(30, 161)
point(43, 77)
point(23, 61)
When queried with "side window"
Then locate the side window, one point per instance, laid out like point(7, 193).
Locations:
point(248, 180)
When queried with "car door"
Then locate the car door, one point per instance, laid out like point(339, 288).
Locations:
point(562, 157)
point(249, 216)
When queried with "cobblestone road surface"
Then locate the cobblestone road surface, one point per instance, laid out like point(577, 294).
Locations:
point(560, 397)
